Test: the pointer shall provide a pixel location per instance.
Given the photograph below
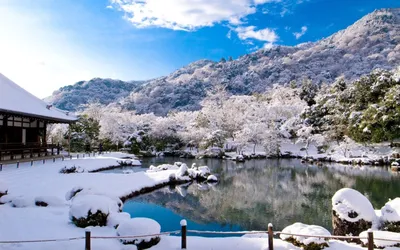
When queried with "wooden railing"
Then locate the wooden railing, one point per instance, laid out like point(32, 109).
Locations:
point(11, 150)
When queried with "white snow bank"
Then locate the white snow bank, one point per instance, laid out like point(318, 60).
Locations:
point(114, 219)
point(137, 227)
point(18, 201)
point(52, 201)
point(76, 191)
point(382, 235)
point(162, 167)
point(352, 206)
point(391, 211)
point(182, 171)
point(300, 228)
point(82, 204)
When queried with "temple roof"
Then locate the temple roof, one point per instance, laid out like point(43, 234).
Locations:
point(16, 100)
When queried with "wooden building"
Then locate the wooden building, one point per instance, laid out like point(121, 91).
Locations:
point(23, 121)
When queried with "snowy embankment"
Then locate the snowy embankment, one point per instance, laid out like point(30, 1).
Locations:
point(69, 196)
point(352, 153)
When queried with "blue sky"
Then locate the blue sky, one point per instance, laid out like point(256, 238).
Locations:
point(46, 44)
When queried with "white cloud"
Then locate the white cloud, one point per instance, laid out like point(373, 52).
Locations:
point(39, 57)
point(250, 32)
point(301, 33)
point(186, 14)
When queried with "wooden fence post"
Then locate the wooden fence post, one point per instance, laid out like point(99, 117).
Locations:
point(87, 240)
point(270, 237)
point(17, 164)
point(31, 162)
point(1, 166)
point(183, 232)
point(54, 159)
point(370, 240)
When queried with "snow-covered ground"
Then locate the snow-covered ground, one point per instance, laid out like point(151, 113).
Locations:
point(26, 221)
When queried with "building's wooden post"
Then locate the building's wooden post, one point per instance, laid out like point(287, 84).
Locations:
point(87, 240)
point(270, 237)
point(183, 232)
point(17, 164)
point(69, 139)
point(370, 240)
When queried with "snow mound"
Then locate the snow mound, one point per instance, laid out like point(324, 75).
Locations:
point(92, 210)
point(21, 201)
point(114, 219)
point(382, 235)
point(182, 171)
point(51, 201)
point(163, 167)
point(304, 229)
point(139, 227)
point(77, 191)
point(212, 178)
point(3, 188)
point(391, 211)
point(352, 206)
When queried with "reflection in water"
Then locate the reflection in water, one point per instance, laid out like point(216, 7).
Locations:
point(252, 194)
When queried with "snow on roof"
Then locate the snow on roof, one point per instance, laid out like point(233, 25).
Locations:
point(14, 99)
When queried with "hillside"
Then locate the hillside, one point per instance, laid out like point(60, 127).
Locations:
point(370, 43)
point(105, 91)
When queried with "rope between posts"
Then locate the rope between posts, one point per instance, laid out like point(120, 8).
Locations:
point(386, 240)
point(231, 232)
point(38, 241)
point(324, 236)
point(135, 236)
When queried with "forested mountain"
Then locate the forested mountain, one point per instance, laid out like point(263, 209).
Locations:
point(104, 91)
point(370, 43)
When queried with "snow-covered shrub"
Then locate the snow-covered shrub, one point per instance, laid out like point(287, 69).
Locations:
point(3, 189)
point(182, 171)
point(18, 201)
point(52, 201)
point(307, 243)
point(382, 235)
point(71, 194)
point(114, 219)
point(89, 191)
point(212, 178)
point(352, 212)
point(391, 215)
point(138, 227)
point(92, 210)
point(71, 170)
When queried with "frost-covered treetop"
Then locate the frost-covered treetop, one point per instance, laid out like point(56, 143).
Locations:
point(372, 42)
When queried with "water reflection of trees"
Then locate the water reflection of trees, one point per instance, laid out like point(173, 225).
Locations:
point(281, 192)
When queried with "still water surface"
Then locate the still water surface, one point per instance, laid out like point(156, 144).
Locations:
point(252, 194)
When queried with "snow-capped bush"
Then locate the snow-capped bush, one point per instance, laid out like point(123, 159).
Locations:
point(352, 212)
point(76, 191)
point(391, 215)
point(114, 219)
point(3, 189)
point(307, 243)
point(138, 227)
point(52, 201)
point(18, 201)
point(71, 170)
point(182, 171)
point(212, 178)
point(92, 210)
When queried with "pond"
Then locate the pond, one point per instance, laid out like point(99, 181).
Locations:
point(252, 194)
